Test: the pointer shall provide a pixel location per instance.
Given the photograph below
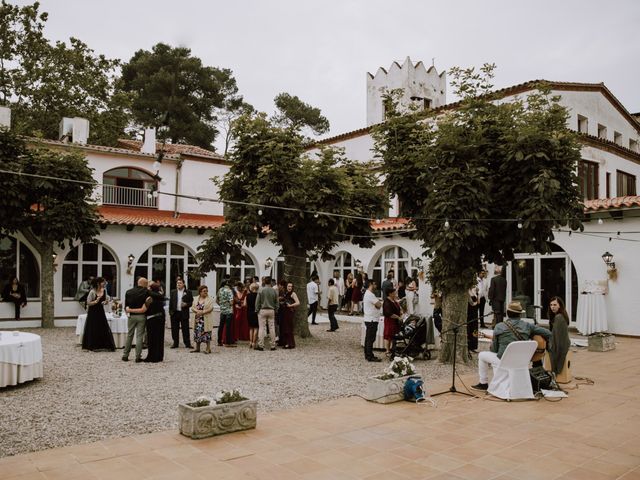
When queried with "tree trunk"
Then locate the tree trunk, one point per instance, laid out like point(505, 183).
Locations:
point(45, 249)
point(46, 285)
point(295, 271)
point(454, 315)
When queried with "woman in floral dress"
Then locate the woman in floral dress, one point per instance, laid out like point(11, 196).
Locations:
point(202, 319)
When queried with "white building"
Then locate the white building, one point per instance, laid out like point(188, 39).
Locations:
point(161, 234)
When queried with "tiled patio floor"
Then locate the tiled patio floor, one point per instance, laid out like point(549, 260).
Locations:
point(594, 434)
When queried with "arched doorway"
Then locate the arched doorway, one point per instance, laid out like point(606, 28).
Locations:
point(533, 279)
point(165, 262)
point(396, 259)
point(130, 187)
point(245, 269)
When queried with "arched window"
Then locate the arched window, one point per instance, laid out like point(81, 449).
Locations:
point(165, 262)
point(17, 259)
point(393, 258)
point(89, 260)
point(245, 269)
point(129, 187)
point(345, 264)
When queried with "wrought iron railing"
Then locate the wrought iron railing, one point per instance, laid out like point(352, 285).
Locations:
point(128, 196)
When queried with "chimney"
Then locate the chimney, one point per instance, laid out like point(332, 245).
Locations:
point(75, 129)
point(149, 144)
point(5, 117)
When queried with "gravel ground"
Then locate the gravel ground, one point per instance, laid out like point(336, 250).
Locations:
point(88, 396)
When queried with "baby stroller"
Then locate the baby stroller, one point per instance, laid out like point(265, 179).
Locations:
point(412, 339)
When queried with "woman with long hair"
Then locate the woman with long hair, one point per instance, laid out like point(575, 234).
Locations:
point(14, 292)
point(560, 341)
point(356, 294)
point(392, 315)
point(202, 319)
point(472, 319)
point(291, 302)
point(240, 324)
point(252, 315)
point(348, 292)
point(97, 333)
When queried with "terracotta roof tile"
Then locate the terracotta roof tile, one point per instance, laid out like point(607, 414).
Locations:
point(611, 203)
point(97, 148)
point(173, 148)
point(389, 224)
point(157, 218)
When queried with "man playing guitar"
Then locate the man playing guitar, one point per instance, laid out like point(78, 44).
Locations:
point(511, 330)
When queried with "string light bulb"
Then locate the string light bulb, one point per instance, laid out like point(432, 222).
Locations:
point(378, 220)
point(156, 166)
point(316, 215)
point(260, 212)
point(520, 224)
point(446, 224)
point(600, 221)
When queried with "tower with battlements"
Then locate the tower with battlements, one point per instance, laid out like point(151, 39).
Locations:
point(423, 88)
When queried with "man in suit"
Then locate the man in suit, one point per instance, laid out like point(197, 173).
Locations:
point(180, 302)
point(134, 302)
point(497, 295)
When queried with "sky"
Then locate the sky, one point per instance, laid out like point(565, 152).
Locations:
point(322, 50)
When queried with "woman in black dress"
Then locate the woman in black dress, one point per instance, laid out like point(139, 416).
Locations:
point(472, 319)
point(252, 315)
point(155, 324)
point(14, 292)
point(97, 334)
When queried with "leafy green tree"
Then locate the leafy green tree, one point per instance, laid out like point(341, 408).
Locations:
point(296, 114)
point(47, 212)
point(271, 171)
point(481, 182)
point(174, 90)
point(43, 82)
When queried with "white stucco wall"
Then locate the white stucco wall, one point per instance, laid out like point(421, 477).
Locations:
point(195, 179)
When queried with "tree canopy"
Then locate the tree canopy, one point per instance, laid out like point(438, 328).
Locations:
point(46, 211)
point(173, 89)
point(43, 82)
point(488, 179)
point(274, 189)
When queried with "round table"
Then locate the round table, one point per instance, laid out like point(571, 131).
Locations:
point(592, 314)
point(20, 357)
point(118, 327)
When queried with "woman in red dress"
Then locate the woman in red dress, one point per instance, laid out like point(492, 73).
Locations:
point(356, 294)
point(392, 314)
point(291, 300)
point(240, 322)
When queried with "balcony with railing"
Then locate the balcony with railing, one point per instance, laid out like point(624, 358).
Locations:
point(127, 196)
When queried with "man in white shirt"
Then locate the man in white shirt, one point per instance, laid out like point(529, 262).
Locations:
point(313, 297)
point(372, 310)
point(333, 298)
point(483, 291)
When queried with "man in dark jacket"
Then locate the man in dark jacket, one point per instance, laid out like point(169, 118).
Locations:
point(497, 295)
point(180, 302)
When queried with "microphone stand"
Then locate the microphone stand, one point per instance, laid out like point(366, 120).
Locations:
point(452, 389)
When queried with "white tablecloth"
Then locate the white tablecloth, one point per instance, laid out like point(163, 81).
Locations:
point(20, 357)
point(592, 314)
point(118, 327)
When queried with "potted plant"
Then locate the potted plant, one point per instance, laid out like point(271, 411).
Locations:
point(389, 386)
point(228, 412)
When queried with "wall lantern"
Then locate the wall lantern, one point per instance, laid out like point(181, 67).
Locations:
point(611, 265)
point(268, 263)
point(55, 265)
point(130, 260)
point(358, 265)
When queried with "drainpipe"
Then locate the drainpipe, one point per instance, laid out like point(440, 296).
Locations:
point(178, 170)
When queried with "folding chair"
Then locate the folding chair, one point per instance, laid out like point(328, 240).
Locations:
point(511, 378)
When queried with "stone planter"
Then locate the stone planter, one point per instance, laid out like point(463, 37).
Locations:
point(601, 342)
point(202, 422)
point(386, 391)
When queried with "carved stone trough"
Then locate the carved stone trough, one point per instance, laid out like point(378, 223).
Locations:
point(210, 420)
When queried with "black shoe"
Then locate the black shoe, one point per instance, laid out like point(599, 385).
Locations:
point(313, 323)
point(125, 359)
point(273, 348)
point(374, 359)
point(188, 346)
point(138, 360)
point(483, 387)
point(332, 330)
point(260, 349)
point(174, 346)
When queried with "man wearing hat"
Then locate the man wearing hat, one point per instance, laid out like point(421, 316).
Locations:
point(503, 334)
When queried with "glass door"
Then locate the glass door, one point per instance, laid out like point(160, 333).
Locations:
point(523, 285)
point(553, 282)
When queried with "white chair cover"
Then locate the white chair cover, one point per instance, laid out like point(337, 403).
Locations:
point(511, 377)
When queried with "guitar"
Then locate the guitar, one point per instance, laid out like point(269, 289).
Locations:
point(542, 346)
